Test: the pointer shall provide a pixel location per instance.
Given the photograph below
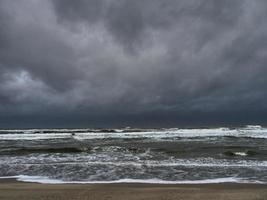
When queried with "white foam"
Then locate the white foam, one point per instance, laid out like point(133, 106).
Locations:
point(240, 153)
point(92, 160)
point(46, 180)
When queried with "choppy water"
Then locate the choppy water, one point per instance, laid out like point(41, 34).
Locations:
point(135, 155)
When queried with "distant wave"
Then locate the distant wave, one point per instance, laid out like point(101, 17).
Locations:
point(46, 180)
point(87, 134)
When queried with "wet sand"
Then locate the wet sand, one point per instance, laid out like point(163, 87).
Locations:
point(13, 190)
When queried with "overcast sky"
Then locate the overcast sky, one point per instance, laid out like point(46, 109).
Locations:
point(100, 63)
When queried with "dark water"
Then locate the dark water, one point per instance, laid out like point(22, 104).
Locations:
point(135, 155)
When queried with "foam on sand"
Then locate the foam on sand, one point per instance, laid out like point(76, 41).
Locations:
point(46, 180)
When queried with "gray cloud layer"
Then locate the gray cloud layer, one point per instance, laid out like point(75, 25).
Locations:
point(118, 62)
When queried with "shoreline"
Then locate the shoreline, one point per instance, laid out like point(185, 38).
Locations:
point(10, 189)
point(46, 180)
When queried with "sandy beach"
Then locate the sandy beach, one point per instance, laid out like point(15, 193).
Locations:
point(13, 190)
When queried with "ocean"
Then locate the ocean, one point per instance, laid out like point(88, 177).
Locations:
point(165, 156)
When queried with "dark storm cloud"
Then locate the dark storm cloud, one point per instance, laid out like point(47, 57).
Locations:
point(128, 20)
point(143, 61)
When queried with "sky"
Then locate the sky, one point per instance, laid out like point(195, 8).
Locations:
point(141, 63)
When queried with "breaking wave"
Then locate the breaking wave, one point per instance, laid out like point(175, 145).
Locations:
point(87, 134)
